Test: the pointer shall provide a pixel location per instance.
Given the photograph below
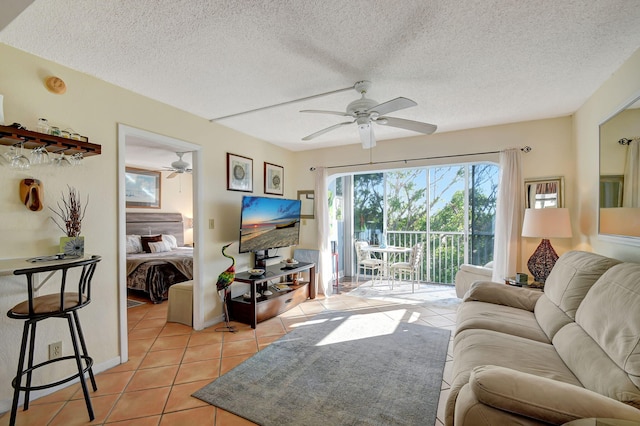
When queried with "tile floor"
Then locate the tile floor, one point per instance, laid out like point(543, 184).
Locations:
point(169, 361)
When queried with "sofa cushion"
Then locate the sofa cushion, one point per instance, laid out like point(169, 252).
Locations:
point(569, 281)
point(505, 319)
point(591, 365)
point(610, 315)
point(572, 276)
point(540, 398)
point(473, 348)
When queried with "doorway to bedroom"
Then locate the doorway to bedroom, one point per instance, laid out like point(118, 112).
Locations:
point(158, 206)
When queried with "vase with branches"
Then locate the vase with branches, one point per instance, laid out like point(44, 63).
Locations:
point(68, 217)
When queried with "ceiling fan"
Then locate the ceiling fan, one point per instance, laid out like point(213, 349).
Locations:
point(366, 111)
point(179, 166)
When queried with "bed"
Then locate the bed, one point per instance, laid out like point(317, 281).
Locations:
point(156, 256)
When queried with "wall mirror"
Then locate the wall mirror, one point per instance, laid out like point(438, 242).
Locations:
point(542, 193)
point(619, 197)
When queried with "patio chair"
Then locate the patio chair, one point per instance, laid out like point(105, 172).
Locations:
point(411, 267)
point(366, 261)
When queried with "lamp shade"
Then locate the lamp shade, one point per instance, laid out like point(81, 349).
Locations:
point(546, 223)
point(188, 222)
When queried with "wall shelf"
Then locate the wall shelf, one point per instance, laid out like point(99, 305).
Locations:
point(11, 136)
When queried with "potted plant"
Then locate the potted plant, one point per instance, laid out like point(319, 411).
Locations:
point(70, 214)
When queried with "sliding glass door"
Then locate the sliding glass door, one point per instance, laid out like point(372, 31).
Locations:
point(451, 209)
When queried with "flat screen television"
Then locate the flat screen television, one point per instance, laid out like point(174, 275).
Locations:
point(268, 223)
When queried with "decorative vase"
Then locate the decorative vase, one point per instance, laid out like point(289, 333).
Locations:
point(72, 246)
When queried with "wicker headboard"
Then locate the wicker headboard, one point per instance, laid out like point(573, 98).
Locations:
point(156, 223)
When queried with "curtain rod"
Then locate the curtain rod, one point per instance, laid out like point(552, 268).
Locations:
point(627, 141)
point(524, 149)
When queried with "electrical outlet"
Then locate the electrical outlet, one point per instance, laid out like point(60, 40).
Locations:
point(210, 223)
point(55, 350)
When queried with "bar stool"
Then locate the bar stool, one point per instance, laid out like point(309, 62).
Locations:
point(62, 304)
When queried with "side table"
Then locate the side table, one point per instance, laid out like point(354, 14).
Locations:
point(536, 286)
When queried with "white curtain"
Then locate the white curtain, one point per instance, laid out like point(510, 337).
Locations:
point(506, 246)
point(321, 203)
point(631, 195)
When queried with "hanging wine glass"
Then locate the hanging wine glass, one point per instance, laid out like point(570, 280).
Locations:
point(19, 161)
point(62, 161)
point(39, 156)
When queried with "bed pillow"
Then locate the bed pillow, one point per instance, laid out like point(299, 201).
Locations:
point(134, 244)
point(159, 247)
point(146, 239)
point(171, 241)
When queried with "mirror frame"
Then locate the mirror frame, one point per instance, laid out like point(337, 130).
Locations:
point(614, 238)
point(534, 181)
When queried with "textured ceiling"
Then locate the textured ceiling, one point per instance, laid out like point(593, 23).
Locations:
point(466, 63)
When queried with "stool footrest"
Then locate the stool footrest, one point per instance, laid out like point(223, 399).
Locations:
point(88, 360)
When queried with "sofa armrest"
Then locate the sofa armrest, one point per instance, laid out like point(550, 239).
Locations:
point(482, 271)
point(502, 294)
point(468, 274)
point(541, 398)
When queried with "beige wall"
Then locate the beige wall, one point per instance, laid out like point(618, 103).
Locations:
point(552, 155)
point(94, 108)
point(621, 87)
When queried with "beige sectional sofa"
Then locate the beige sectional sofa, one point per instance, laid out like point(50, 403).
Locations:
point(531, 358)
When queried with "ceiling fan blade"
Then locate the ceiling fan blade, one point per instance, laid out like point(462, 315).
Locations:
point(172, 175)
point(393, 105)
point(367, 137)
point(401, 123)
point(323, 131)
point(319, 111)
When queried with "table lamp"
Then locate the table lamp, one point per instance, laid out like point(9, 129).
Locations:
point(545, 223)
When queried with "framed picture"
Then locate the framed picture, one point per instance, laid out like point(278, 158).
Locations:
point(273, 179)
point(142, 188)
point(307, 207)
point(239, 173)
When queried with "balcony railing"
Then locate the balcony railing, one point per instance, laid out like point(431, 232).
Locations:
point(444, 252)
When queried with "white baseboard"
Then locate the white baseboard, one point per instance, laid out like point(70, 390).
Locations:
point(216, 320)
point(5, 404)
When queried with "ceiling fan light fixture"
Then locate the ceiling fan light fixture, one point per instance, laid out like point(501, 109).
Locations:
point(363, 121)
point(180, 165)
point(364, 111)
point(366, 135)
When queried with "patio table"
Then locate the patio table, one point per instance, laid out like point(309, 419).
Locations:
point(389, 253)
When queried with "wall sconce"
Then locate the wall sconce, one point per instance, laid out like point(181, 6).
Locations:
point(545, 224)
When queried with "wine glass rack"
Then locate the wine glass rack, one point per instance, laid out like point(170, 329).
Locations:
point(12, 136)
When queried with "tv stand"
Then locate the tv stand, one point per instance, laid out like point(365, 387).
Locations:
point(256, 309)
point(260, 259)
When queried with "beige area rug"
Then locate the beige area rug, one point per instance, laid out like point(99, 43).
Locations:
point(438, 294)
point(339, 368)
